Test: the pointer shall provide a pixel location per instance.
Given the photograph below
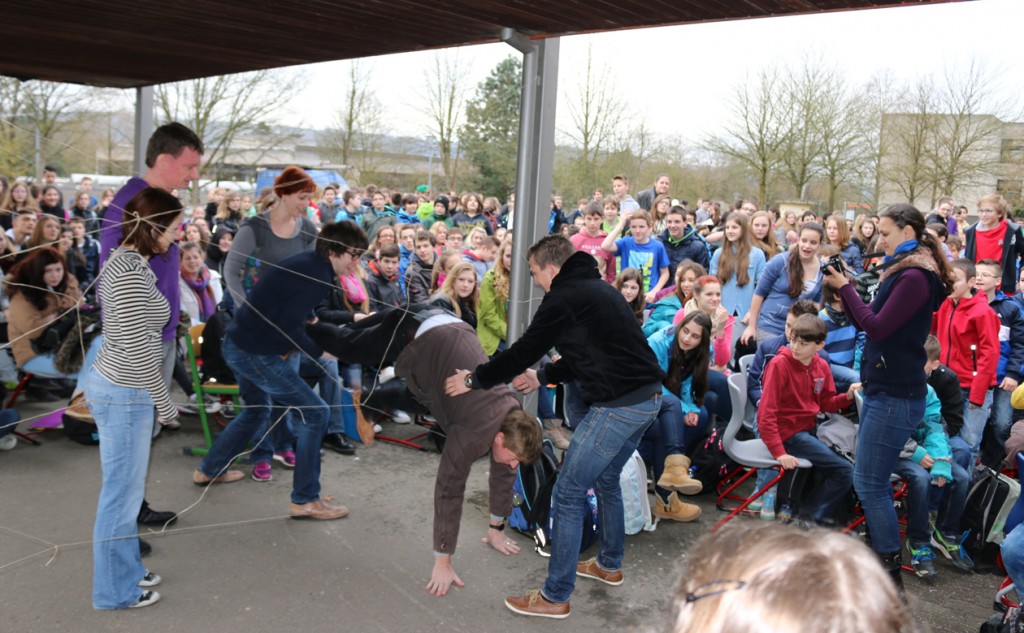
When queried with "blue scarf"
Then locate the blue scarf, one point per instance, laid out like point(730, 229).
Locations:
point(905, 247)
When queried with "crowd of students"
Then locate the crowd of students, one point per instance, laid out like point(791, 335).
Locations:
point(706, 286)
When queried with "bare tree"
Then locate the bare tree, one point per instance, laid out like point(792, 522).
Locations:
point(909, 166)
point(219, 109)
point(446, 99)
point(801, 147)
point(595, 113)
point(967, 130)
point(877, 99)
point(358, 131)
point(758, 133)
point(15, 137)
point(838, 120)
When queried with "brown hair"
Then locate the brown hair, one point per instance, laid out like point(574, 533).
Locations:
point(794, 269)
point(26, 278)
point(844, 233)
point(291, 180)
point(637, 304)
point(734, 259)
point(809, 328)
point(146, 217)
point(551, 249)
point(758, 577)
point(768, 245)
point(687, 266)
point(904, 215)
point(522, 435)
point(932, 348)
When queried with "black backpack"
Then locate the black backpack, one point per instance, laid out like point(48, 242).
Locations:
point(986, 500)
point(531, 502)
point(710, 463)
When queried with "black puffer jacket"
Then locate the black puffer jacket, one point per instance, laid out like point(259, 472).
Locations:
point(595, 332)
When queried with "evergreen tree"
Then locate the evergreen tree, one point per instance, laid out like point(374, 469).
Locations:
point(491, 133)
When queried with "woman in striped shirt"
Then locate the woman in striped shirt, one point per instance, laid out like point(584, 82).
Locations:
point(123, 386)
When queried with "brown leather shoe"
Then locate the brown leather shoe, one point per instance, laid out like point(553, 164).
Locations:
point(319, 509)
point(533, 603)
point(78, 410)
point(590, 569)
point(200, 478)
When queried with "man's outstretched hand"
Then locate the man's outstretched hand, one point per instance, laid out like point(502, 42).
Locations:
point(455, 385)
point(443, 576)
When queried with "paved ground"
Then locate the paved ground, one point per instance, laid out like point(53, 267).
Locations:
point(234, 562)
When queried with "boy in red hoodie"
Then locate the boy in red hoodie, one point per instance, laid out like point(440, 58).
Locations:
point(797, 386)
point(968, 331)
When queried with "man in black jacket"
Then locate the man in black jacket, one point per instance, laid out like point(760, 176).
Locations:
point(603, 348)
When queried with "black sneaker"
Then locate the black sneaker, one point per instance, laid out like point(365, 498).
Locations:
point(146, 599)
point(149, 516)
point(145, 549)
point(922, 559)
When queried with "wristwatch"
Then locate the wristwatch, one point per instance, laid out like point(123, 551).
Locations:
point(469, 381)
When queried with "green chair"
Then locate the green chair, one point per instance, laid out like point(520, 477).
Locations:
point(194, 345)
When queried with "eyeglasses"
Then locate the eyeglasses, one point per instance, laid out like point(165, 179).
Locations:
point(986, 211)
point(713, 588)
point(989, 275)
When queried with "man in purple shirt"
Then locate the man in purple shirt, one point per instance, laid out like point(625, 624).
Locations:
point(173, 155)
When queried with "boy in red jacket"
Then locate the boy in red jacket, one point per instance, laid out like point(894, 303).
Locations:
point(797, 386)
point(968, 331)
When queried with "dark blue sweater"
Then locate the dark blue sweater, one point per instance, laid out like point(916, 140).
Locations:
point(274, 318)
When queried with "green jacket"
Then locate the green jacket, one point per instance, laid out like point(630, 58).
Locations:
point(433, 217)
point(491, 324)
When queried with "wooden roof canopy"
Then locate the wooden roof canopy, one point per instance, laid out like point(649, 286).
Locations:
point(132, 43)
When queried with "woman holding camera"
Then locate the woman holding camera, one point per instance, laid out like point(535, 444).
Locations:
point(914, 280)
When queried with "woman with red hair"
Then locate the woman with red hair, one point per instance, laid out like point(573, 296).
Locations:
point(261, 243)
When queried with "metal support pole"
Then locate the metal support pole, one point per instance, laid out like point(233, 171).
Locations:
point(534, 164)
point(143, 126)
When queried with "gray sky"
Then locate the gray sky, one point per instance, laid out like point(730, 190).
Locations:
point(679, 78)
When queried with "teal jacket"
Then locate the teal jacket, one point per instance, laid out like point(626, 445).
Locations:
point(930, 438)
point(662, 314)
point(661, 343)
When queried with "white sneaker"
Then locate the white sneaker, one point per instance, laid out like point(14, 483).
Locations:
point(212, 405)
point(400, 417)
point(386, 375)
point(377, 428)
point(8, 442)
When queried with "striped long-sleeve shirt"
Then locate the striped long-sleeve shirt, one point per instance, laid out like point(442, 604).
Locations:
point(134, 316)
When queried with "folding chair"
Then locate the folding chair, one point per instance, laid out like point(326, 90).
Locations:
point(745, 362)
point(749, 454)
point(194, 346)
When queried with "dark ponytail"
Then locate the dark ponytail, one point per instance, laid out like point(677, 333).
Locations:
point(904, 215)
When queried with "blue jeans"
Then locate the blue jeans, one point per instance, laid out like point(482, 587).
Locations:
point(886, 423)
point(600, 447)
point(837, 475)
point(262, 380)
point(1012, 550)
point(975, 419)
point(669, 435)
point(124, 420)
point(325, 370)
point(843, 376)
point(717, 400)
point(277, 433)
point(954, 497)
point(43, 365)
point(1002, 415)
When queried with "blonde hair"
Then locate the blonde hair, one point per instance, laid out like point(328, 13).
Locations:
point(502, 276)
point(776, 579)
point(768, 245)
point(448, 287)
point(223, 212)
point(997, 200)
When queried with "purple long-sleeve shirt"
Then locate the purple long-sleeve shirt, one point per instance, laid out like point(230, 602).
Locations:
point(914, 291)
point(166, 267)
